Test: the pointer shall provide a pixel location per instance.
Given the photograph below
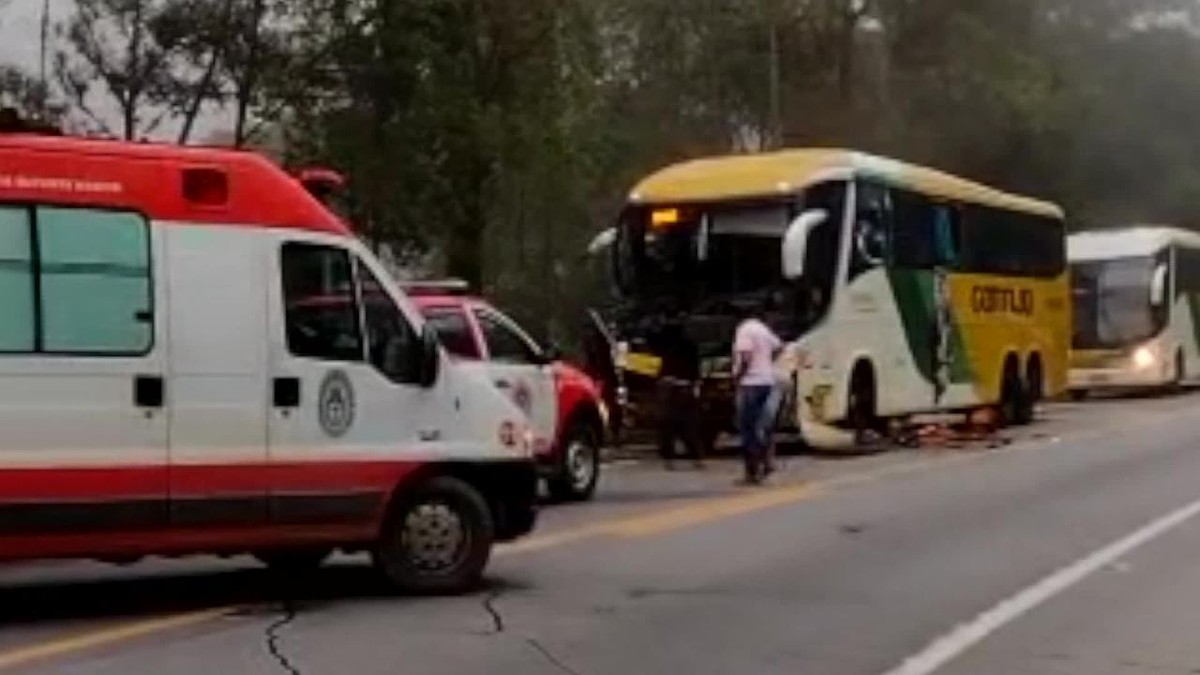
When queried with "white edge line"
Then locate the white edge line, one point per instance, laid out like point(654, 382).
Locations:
point(953, 644)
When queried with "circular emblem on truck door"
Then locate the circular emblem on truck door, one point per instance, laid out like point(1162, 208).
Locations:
point(335, 403)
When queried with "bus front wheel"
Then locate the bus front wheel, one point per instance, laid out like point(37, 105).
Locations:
point(861, 406)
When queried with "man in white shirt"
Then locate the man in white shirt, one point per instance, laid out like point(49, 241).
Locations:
point(754, 350)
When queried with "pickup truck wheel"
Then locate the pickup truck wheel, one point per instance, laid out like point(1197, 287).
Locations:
point(437, 539)
point(579, 467)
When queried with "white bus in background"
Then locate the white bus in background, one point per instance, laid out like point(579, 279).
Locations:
point(1136, 295)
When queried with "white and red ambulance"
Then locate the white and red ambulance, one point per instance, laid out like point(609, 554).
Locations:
point(196, 356)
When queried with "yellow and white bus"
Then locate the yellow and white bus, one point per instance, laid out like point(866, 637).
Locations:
point(1136, 297)
point(900, 289)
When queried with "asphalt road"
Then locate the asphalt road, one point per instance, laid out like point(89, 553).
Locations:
point(1072, 550)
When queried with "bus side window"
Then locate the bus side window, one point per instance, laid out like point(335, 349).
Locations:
point(824, 243)
point(914, 236)
point(947, 233)
point(871, 225)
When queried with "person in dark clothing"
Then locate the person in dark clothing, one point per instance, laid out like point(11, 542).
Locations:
point(598, 350)
point(678, 404)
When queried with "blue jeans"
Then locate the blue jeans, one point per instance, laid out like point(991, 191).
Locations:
point(751, 402)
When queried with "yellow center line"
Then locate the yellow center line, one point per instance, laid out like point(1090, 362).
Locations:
point(104, 636)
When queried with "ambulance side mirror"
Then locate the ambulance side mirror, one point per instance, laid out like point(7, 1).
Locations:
point(429, 357)
point(795, 242)
point(1158, 286)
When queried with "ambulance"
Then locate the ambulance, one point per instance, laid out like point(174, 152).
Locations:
point(196, 356)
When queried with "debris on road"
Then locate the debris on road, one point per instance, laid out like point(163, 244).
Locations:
point(981, 429)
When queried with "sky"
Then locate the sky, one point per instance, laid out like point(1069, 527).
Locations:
point(19, 32)
point(19, 28)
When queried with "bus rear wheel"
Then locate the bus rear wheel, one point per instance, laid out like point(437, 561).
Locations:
point(1012, 394)
point(1031, 391)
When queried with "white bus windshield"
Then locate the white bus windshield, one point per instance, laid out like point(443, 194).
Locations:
point(1112, 302)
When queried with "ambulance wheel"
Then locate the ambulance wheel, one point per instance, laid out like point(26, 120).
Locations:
point(437, 539)
point(293, 561)
point(579, 467)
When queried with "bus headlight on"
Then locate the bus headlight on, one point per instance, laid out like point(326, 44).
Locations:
point(1143, 358)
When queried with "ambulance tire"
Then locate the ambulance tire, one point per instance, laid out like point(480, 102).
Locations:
point(436, 539)
point(293, 561)
point(578, 470)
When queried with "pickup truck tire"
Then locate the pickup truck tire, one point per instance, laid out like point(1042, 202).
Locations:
point(579, 464)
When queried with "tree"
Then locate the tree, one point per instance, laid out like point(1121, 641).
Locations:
point(30, 97)
point(124, 48)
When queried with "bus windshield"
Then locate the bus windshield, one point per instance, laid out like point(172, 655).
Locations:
point(697, 256)
point(1112, 302)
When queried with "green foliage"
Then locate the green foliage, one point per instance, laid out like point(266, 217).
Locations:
point(491, 139)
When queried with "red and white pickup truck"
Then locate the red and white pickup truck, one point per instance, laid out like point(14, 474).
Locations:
point(565, 407)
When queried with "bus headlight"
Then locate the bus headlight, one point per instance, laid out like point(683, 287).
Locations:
point(1143, 358)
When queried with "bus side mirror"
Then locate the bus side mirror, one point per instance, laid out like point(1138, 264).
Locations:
point(795, 242)
point(1158, 286)
point(603, 241)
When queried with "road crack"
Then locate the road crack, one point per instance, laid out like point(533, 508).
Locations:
point(550, 657)
point(489, 606)
point(288, 615)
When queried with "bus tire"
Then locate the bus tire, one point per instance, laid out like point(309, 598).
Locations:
point(436, 540)
point(579, 467)
point(1032, 390)
point(293, 561)
point(861, 404)
point(1012, 393)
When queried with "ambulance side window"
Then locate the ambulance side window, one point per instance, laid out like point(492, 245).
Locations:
point(391, 341)
point(17, 330)
point(94, 275)
point(75, 281)
point(320, 304)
